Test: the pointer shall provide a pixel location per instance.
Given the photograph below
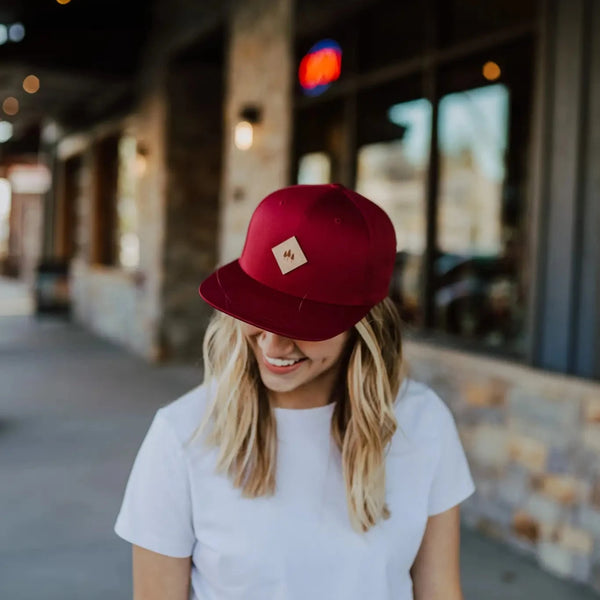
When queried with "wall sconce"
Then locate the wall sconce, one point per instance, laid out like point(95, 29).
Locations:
point(243, 135)
point(141, 160)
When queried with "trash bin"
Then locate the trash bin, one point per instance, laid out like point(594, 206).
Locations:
point(51, 294)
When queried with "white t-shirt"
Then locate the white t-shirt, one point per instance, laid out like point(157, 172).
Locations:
point(299, 543)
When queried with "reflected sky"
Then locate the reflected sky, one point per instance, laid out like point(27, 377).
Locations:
point(474, 120)
point(415, 117)
point(477, 121)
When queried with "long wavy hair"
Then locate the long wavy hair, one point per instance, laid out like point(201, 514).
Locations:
point(241, 423)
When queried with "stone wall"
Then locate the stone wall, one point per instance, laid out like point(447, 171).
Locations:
point(25, 248)
point(533, 443)
point(184, 192)
point(258, 73)
point(193, 163)
point(124, 306)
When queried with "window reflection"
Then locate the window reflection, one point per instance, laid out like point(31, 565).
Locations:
point(320, 143)
point(472, 141)
point(314, 168)
point(477, 291)
point(393, 174)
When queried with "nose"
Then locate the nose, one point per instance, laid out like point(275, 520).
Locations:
point(274, 345)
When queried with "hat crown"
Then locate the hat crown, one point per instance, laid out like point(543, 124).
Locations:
point(321, 242)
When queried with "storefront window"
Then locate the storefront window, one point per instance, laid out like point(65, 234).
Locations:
point(459, 209)
point(476, 284)
point(320, 143)
point(464, 20)
point(391, 30)
point(314, 167)
point(393, 174)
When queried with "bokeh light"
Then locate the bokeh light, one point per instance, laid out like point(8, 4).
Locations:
point(141, 165)
point(6, 131)
point(16, 32)
point(3, 34)
point(244, 135)
point(491, 71)
point(10, 106)
point(31, 84)
point(321, 66)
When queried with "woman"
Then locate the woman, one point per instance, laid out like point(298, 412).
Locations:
point(306, 466)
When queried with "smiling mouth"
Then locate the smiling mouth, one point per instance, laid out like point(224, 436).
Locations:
point(281, 362)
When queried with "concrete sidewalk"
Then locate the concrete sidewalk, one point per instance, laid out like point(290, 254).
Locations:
point(73, 411)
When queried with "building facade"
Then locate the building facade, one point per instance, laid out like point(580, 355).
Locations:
point(475, 125)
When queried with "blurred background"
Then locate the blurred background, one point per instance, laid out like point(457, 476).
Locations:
point(135, 141)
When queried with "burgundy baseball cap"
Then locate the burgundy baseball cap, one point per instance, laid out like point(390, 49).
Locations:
point(317, 258)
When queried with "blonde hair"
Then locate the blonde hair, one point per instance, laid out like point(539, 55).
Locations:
point(241, 423)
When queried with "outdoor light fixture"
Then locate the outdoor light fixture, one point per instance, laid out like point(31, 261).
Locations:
point(243, 135)
point(141, 160)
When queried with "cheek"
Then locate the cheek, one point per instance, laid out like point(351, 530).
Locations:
point(327, 352)
point(249, 331)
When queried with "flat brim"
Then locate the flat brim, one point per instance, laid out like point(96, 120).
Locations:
point(230, 290)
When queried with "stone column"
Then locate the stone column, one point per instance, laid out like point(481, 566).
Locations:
point(258, 74)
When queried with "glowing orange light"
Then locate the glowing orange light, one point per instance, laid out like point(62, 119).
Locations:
point(63, 1)
point(10, 106)
point(31, 84)
point(491, 71)
point(320, 67)
point(243, 135)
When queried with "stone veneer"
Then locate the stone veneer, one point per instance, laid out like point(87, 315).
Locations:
point(193, 161)
point(258, 73)
point(120, 305)
point(533, 443)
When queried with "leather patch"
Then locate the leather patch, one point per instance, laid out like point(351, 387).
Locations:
point(289, 255)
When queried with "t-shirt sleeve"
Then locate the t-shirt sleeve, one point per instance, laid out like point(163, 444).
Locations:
point(452, 482)
point(156, 512)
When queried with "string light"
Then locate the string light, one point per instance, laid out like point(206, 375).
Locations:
point(16, 32)
point(10, 106)
point(31, 84)
point(491, 71)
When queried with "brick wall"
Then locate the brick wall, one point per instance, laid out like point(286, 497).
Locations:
point(533, 444)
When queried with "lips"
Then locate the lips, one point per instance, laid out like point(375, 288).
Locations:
point(282, 362)
point(282, 366)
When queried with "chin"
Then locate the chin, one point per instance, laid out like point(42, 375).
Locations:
point(274, 383)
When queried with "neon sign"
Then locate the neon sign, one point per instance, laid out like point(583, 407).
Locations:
point(320, 67)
